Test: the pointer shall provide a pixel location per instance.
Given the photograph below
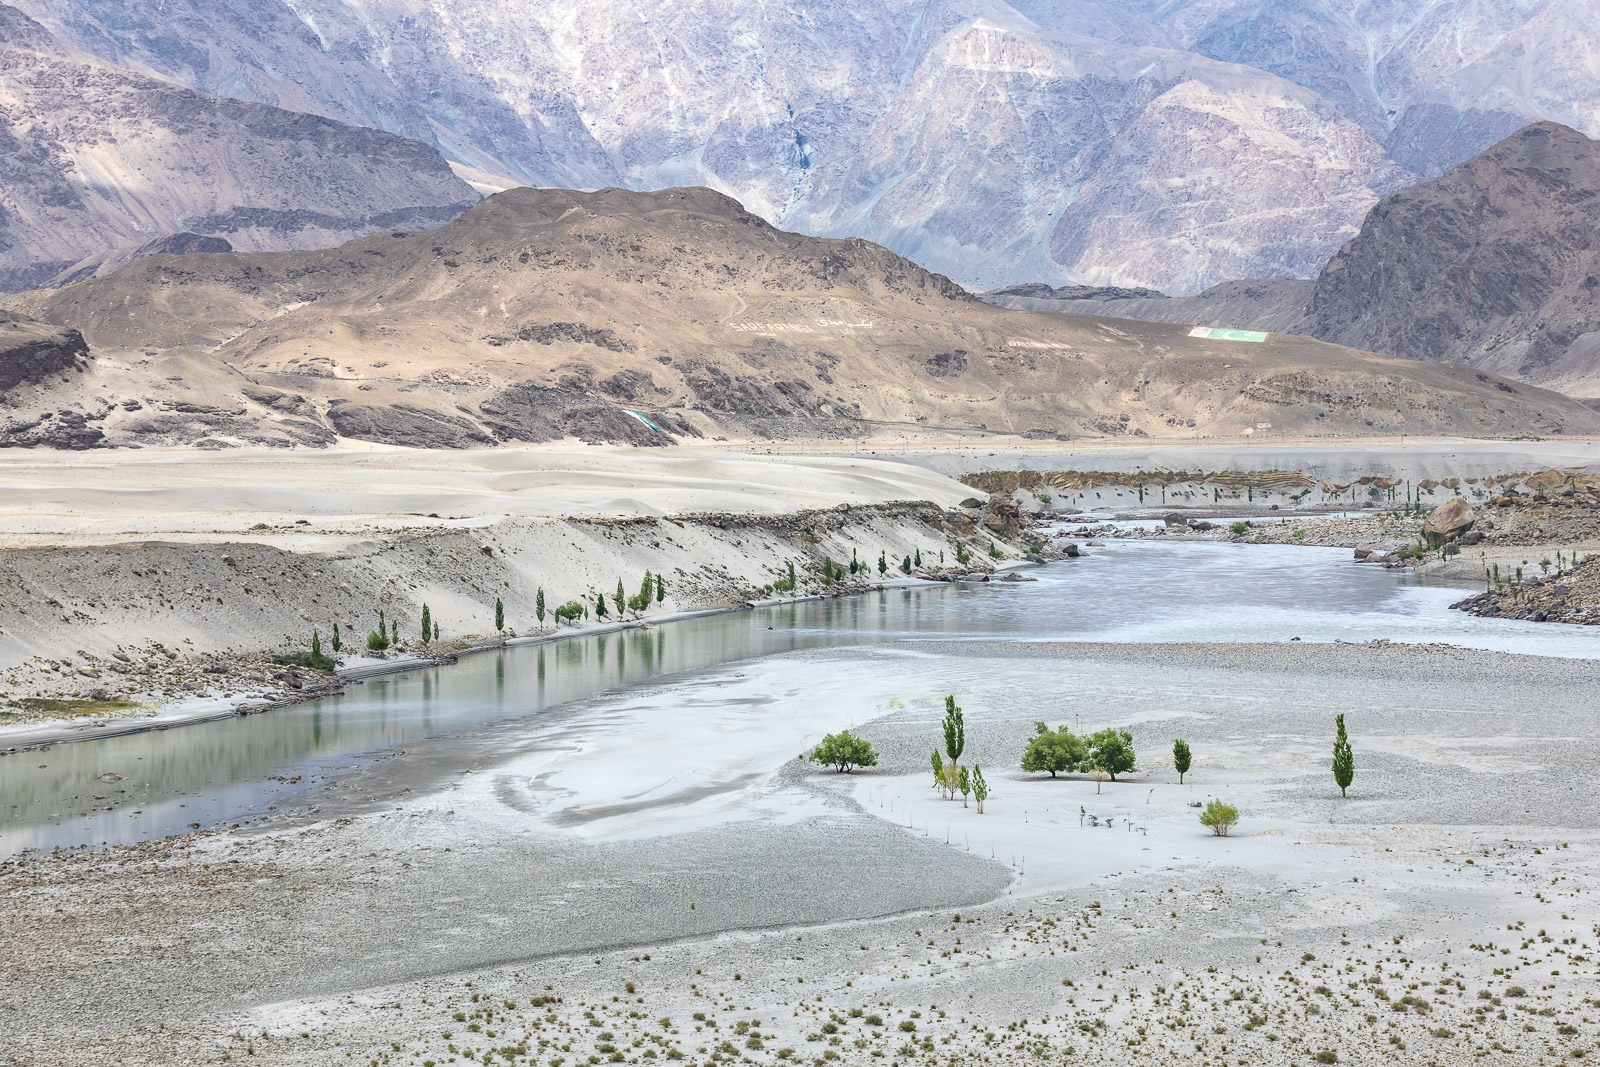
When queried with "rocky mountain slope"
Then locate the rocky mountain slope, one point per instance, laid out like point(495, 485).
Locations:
point(644, 317)
point(1134, 143)
point(1494, 264)
point(96, 161)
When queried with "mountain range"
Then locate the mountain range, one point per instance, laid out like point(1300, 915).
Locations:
point(648, 317)
point(1171, 144)
point(1494, 264)
point(97, 161)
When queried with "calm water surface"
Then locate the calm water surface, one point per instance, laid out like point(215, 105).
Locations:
point(234, 770)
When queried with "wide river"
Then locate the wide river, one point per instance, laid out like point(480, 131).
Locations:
point(150, 785)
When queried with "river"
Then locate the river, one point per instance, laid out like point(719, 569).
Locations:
point(155, 784)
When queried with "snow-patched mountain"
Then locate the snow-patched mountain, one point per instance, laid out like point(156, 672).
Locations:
point(98, 163)
point(1168, 143)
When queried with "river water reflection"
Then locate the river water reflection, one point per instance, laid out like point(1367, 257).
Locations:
point(145, 786)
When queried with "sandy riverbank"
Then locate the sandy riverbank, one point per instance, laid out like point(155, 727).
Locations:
point(788, 899)
point(163, 582)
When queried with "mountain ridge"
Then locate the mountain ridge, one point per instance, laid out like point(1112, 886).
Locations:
point(647, 317)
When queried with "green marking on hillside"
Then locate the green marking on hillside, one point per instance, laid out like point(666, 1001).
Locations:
point(1217, 333)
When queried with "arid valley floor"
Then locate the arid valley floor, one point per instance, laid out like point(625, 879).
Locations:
point(649, 873)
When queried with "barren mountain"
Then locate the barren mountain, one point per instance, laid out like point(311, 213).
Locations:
point(1496, 264)
point(1277, 304)
point(96, 161)
point(642, 317)
point(1165, 143)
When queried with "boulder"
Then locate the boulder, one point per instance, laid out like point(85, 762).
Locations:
point(1173, 519)
point(972, 502)
point(1363, 553)
point(1470, 538)
point(1447, 522)
point(1005, 517)
point(1071, 549)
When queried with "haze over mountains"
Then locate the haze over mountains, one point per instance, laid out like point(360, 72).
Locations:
point(620, 316)
point(1172, 144)
point(96, 159)
point(1495, 264)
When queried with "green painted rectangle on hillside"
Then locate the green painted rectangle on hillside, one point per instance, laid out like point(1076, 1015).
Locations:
point(1217, 333)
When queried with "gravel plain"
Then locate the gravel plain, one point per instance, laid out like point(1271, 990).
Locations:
point(1443, 911)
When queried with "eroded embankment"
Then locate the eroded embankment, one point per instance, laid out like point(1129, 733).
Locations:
point(1179, 487)
point(96, 629)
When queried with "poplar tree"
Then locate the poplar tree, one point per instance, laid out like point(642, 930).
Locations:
point(436, 629)
point(883, 563)
point(337, 641)
point(661, 589)
point(917, 558)
point(499, 614)
point(427, 624)
point(600, 605)
point(538, 605)
point(980, 788)
point(1180, 758)
point(622, 597)
point(955, 730)
point(1344, 760)
point(938, 771)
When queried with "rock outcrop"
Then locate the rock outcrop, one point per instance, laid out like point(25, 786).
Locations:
point(1495, 264)
point(1447, 522)
point(31, 350)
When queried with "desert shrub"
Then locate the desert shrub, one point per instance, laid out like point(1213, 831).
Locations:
point(1220, 817)
point(1238, 528)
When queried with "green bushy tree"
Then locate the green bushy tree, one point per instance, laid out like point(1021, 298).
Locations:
point(338, 642)
point(843, 751)
point(427, 624)
point(1112, 750)
point(1180, 758)
point(883, 563)
point(538, 605)
point(661, 589)
point(980, 788)
point(1057, 751)
point(499, 615)
point(599, 605)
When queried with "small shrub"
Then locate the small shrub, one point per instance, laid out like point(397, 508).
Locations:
point(1516, 991)
point(1220, 817)
point(1238, 528)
